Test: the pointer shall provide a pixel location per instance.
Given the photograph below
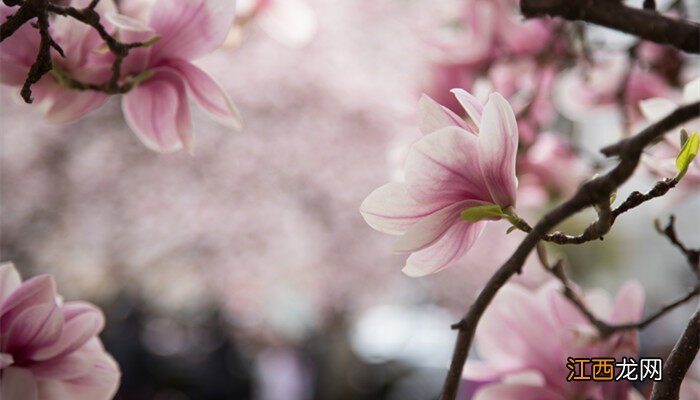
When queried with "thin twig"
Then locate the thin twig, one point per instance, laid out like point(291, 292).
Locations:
point(592, 192)
point(43, 64)
point(692, 255)
point(679, 361)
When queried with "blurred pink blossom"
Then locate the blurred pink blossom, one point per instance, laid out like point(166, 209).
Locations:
point(609, 82)
point(662, 157)
point(553, 165)
point(457, 165)
point(292, 23)
point(526, 336)
point(50, 350)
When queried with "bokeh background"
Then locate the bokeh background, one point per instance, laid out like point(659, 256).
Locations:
point(245, 271)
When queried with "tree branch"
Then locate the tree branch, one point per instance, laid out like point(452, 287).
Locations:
point(679, 361)
point(647, 24)
point(39, 10)
point(592, 192)
point(692, 255)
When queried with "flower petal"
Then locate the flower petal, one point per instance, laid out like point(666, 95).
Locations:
point(35, 291)
point(209, 94)
point(390, 209)
point(656, 108)
point(498, 144)
point(432, 116)
point(6, 360)
point(82, 321)
point(34, 328)
point(190, 29)
point(443, 167)
point(99, 382)
point(456, 241)
point(17, 384)
point(691, 91)
point(9, 281)
point(157, 111)
point(516, 392)
point(70, 105)
point(629, 304)
point(471, 105)
point(431, 228)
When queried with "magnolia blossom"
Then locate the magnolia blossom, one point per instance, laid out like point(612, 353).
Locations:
point(156, 109)
point(662, 158)
point(49, 350)
point(525, 338)
point(80, 44)
point(457, 165)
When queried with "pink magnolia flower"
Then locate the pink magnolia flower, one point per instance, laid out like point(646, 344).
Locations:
point(80, 44)
point(157, 110)
point(662, 157)
point(457, 165)
point(525, 338)
point(49, 350)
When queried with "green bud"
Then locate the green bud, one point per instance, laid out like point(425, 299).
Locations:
point(687, 154)
point(489, 211)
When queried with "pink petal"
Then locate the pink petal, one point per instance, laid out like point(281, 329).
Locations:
point(629, 304)
point(511, 331)
point(498, 145)
point(34, 328)
point(17, 384)
point(656, 108)
point(13, 74)
point(66, 105)
point(82, 321)
point(100, 382)
point(390, 209)
point(9, 281)
point(6, 360)
point(209, 94)
point(443, 167)
point(431, 228)
point(36, 291)
point(456, 241)
point(157, 111)
point(471, 105)
point(20, 48)
point(69, 366)
point(190, 29)
point(432, 116)
point(516, 392)
point(132, 30)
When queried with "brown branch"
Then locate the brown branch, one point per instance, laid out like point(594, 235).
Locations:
point(40, 10)
point(679, 361)
point(592, 192)
point(605, 329)
point(606, 217)
point(646, 24)
point(692, 255)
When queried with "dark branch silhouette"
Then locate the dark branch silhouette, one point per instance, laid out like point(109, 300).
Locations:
point(596, 191)
point(646, 24)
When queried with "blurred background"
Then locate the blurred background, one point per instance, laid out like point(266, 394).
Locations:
point(245, 271)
